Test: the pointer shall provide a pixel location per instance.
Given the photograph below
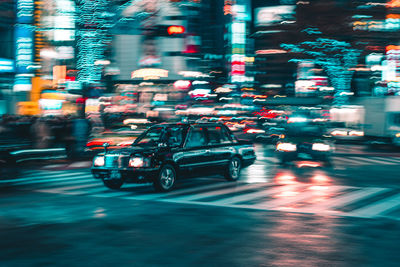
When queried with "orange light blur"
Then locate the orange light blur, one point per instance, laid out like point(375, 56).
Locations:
point(175, 29)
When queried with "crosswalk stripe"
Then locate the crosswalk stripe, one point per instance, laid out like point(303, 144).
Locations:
point(378, 208)
point(389, 159)
point(39, 180)
point(250, 196)
point(347, 160)
point(96, 190)
point(178, 192)
point(300, 196)
point(43, 176)
point(236, 188)
point(346, 199)
point(66, 188)
point(112, 194)
point(64, 183)
point(54, 174)
point(381, 161)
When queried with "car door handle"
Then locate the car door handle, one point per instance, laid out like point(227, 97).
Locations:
point(208, 150)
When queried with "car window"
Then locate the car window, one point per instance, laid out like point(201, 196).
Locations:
point(151, 137)
point(196, 137)
point(226, 135)
point(174, 136)
point(216, 135)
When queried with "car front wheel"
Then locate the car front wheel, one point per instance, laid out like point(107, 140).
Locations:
point(166, 179)
point(233, 170)
point(113, 183)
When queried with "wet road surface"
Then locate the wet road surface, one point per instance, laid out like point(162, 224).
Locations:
point(341, 216)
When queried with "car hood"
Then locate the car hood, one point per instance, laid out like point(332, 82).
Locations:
point(132, 150)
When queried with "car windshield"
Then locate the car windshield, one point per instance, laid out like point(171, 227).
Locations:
point(150, 138)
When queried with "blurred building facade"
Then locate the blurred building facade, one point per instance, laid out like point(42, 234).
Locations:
point(7, 56)
point(372, 27)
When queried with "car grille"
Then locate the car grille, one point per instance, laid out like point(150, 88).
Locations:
point(111, 161)
point(115, 161)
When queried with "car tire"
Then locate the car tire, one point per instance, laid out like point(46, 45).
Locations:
point(113, 183)
point(166, 179)
point(232, 172)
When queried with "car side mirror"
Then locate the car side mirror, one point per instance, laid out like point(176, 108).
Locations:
point(106, 145)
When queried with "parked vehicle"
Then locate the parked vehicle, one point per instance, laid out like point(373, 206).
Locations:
point(167, 152)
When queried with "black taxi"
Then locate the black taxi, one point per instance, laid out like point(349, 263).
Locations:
point(167, 152)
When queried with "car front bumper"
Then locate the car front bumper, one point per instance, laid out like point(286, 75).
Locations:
point(306, 155)
point(128, 175)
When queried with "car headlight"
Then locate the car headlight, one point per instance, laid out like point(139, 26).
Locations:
point(321, 147)
point(136, 162)
point(139, 162)
point(98, 161)
point(287, 147)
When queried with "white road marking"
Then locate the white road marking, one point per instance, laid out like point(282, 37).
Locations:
point(233, 189)
point(374, 161)
point(389, 159)
point(346, 199)
point(296, 198)
point(112, 194)
point(44, 177)
point(347, 160)
point(39, 180)
point(66, 188)
point(378, 208)
point(250, 196)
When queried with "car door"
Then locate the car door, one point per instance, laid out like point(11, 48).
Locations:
point(221, 149)
point(193, 158)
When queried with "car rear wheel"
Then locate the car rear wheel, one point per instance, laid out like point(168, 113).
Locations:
point(113, 183)
point(166, 179)
point(233, 170)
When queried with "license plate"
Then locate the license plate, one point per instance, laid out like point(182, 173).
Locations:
point(115, 174)
point(304, 156)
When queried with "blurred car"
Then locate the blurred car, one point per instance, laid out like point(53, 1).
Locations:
point(167, 152)
point(305, 142)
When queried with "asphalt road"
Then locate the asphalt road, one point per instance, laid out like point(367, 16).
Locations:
point(347, 215)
